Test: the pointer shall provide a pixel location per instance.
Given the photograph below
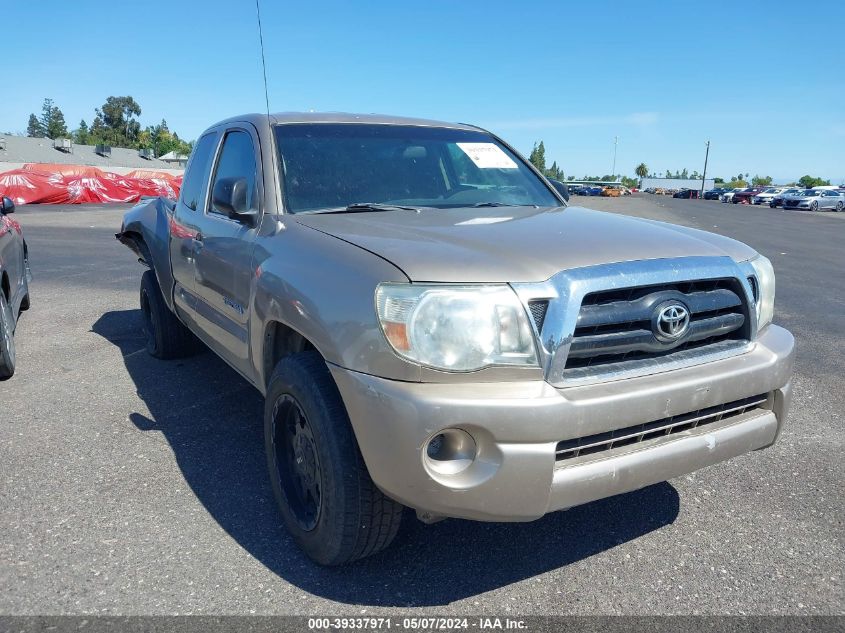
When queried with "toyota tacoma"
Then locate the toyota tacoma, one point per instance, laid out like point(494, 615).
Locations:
point(433, 327)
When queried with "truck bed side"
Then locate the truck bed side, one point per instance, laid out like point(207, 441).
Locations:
point(146, 230)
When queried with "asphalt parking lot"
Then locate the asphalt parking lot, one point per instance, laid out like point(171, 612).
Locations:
point(135, 486)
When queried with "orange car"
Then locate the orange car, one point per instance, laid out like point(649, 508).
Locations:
point(611, 192)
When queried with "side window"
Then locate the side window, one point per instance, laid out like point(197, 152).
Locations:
point(197, 169)
point(237, 160)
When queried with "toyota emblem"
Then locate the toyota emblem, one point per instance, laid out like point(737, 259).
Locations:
point(670, 321)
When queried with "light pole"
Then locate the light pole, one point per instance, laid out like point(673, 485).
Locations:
point(615, 143)
point(706, 156)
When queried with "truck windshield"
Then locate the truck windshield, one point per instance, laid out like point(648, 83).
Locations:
point(330, 166)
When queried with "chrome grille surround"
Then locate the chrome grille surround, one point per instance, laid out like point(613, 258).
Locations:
point(566, 290)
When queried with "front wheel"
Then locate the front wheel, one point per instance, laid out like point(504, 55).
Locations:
point(814, 206)
point(327, 500)
point(7, 341)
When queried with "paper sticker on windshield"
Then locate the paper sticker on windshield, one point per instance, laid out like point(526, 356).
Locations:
point(487, 156)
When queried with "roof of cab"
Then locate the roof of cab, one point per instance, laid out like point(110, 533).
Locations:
point(280, 118)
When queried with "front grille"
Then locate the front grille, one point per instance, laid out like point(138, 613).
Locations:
point(614, 327)
point(755, 292)
point(538, 312)
point(570, 449)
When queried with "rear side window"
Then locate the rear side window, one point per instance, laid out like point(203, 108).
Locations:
point(237, 160)
point(197, 169)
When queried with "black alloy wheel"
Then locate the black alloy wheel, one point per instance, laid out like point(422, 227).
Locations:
point(297, 462)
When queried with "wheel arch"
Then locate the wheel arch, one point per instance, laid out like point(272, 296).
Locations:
point(280, 341)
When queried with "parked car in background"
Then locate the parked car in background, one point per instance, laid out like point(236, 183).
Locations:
point(594, 191)
point(777, 200)
point(767, 194)
point(814, 199)
point(611, 192)
point(713, 194)
point(14, 284)
point(728, 195)
point(686, 193)
point(746, 195)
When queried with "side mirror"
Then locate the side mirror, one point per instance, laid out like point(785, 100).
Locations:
point(561, 188)
point(7, 206)
point(231, 197)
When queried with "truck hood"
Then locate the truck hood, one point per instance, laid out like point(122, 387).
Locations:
point(514, 244)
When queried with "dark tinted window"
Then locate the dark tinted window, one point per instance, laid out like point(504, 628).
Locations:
point(326, 166)
point(197, 169)
point(237, 160)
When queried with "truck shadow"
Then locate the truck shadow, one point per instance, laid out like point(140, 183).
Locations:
point(212, 420)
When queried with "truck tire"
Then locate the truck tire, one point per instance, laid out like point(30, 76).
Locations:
point(326, 497)
point(7, 340)
point(167, 337)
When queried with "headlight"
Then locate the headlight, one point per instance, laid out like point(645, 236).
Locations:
point(456, 328)
point(765, 289)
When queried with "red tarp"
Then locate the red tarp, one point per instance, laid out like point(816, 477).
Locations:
point(68, 171)
point(79, 184)
point(24, 187)
point(150, 174)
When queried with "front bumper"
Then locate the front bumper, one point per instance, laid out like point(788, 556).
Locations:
point(517, 427)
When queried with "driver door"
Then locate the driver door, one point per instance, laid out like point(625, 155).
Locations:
point(222, 255)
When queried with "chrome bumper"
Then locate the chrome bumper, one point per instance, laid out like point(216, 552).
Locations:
point(517, 426)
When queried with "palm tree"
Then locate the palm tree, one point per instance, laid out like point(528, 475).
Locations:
point(642, 172)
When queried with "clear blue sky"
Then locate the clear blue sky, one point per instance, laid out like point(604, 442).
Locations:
point(764, 81)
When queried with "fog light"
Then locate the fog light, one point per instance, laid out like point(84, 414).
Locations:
point(450, 452)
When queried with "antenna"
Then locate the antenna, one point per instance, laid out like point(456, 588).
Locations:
point(263, 63)
point(279, 204)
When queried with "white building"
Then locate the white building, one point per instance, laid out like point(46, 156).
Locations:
point(174, 159)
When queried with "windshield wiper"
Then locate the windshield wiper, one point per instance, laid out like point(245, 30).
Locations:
point(501, 204)
point(363, 207)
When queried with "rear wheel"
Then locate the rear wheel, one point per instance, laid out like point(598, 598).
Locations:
point(7, 341)
point(167, 337)
point(327, 500)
